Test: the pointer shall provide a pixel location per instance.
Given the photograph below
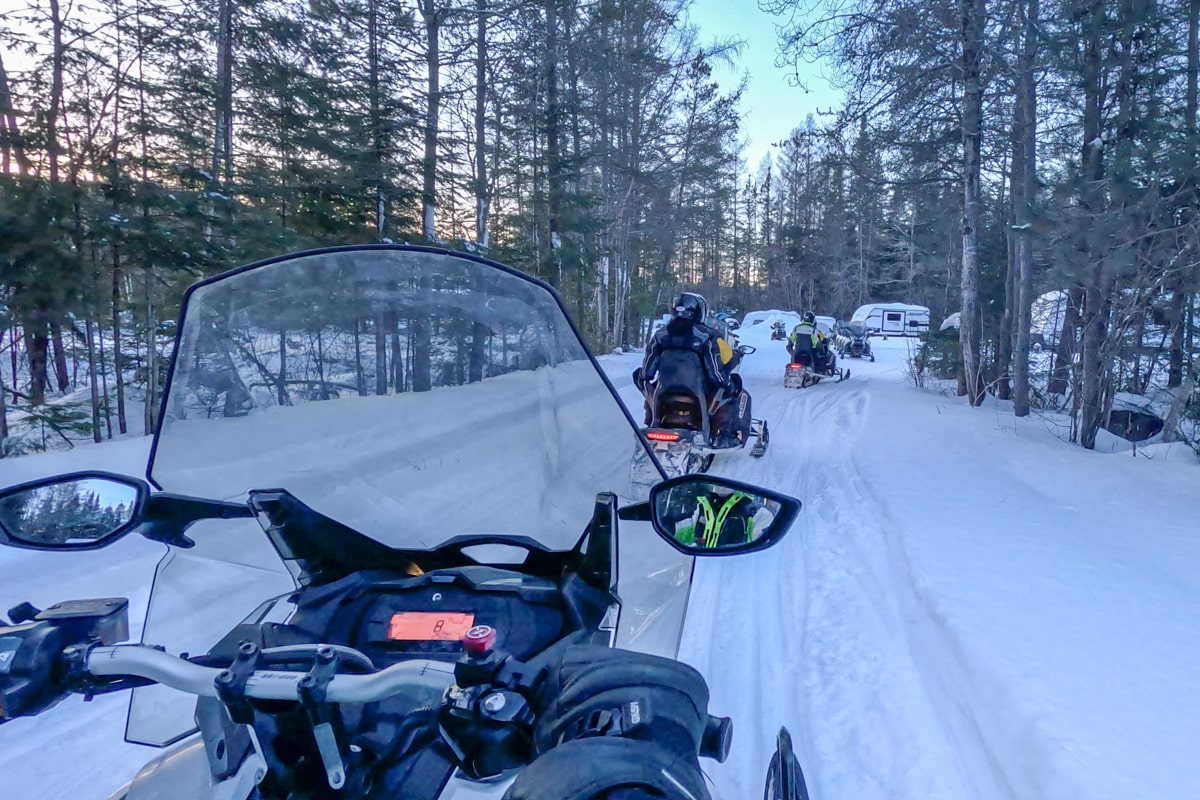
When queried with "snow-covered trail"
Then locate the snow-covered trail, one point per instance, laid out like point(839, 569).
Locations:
point(968, 608)
point(811, 634)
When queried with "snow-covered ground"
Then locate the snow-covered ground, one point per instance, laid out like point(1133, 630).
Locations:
point(968, 607)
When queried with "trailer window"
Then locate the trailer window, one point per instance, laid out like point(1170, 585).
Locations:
point(893, 316)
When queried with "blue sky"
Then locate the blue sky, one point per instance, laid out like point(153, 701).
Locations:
point(772, 106)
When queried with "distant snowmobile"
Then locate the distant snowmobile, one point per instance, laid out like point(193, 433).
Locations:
point(804, 370)
point(778, 332)
point(852, 341)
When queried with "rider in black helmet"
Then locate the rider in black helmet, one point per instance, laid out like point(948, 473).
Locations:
point(807, 338)
point(687, 331)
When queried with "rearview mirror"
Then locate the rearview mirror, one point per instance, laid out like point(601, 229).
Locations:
point(78, 511)
point(706, 515)
point(746, 349)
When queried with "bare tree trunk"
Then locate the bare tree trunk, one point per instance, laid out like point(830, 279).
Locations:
point(360, 375)
point(3, 422)
point(222, 160)
point(1064, 357)
point(393, 326)
point(1095, 308)
point(281, 392)
point(1023, 211)
point(1181, 299)
point(37, 345)
point(422, 339)
point(482, 200)
point(433, 20)
point(118, 351)
point(552, 249)
point(381, 362)
point(93, 384)
point(378, 140)
point(56, 93)
point(151, 411)
point(1004, 344)
point(60, 357)
point(970, 330)
point(115, 247)
point(1179, 397)
point(104, 382)
point(10, 134)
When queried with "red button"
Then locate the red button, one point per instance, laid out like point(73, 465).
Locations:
point(480, 640)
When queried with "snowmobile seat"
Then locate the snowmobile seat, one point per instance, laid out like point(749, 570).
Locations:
point(802, 352)
point(679, 399)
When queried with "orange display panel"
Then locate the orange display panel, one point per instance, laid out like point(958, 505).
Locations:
point(429, 626)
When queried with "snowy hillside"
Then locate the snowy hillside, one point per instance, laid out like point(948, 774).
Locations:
point(966, 609)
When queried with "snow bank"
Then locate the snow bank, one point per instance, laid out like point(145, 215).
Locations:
point(769, 318)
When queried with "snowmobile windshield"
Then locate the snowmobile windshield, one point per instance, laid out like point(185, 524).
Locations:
point(413, 395)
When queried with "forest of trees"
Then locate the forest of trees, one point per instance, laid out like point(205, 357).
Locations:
point(988, 151)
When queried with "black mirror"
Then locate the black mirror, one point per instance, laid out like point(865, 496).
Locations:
point(733, 324)
point(705, 515)
point(746, 349)
point(79, 511)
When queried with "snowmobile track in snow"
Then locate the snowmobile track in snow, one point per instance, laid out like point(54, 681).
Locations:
point(852, 660)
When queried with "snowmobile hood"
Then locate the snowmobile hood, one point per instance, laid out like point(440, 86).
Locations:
point(412, 394)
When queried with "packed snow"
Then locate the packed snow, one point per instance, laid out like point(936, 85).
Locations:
point(968, 607)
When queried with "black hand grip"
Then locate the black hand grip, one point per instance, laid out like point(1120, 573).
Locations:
point(717, 738)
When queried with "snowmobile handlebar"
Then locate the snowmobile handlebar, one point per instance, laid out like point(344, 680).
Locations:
point(265, 684)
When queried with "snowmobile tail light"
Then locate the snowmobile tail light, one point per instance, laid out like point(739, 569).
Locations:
point(662, 436)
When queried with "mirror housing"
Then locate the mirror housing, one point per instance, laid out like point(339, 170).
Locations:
point(77, 511)
point(161, 517)
point(746, 349)
point(707, 515)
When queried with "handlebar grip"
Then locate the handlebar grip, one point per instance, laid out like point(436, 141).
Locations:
point(717, 738)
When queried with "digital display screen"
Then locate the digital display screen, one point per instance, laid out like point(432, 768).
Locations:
point(429, 626)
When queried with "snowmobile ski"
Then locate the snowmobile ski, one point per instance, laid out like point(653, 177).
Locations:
point(758, 429)
point(785, 779)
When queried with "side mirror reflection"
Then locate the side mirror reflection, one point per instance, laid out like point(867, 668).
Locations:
point(70, 512)
point(708, 515)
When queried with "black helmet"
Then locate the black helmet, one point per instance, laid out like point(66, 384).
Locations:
point(692, 306)
point(810, 317)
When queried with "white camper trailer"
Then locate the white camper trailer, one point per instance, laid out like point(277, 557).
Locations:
point(893, 319)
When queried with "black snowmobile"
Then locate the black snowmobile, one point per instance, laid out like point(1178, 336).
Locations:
point(682, 430)
point(778, 332)
point(853, 341)
point(803, 370)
